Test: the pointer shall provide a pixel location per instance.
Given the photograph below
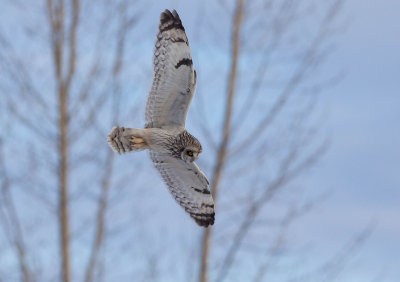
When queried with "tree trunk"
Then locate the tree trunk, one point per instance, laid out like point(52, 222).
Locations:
point(63, 183)
point(223, 148)
point(64, 77)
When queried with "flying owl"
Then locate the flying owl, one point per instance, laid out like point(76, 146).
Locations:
point(172, 149)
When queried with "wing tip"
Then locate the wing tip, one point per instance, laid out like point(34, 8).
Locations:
point(205, 219)
point(206, 223)
point(168, 15)
point(169, 20)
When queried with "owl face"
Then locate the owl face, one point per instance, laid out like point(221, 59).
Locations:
point(190, 153)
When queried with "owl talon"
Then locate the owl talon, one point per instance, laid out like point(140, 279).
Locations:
point(138, 146)
point(137, 140)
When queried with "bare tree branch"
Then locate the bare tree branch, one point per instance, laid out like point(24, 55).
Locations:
point(286, 175)
point(72, 43)
point(277, 245)
point(11, 222)
point(222, 150)
point(56, 19)
point(281, 24)
point(125, 26)
point(294, 81)
point(334, 266)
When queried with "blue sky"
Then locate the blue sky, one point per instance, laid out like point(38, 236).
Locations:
point(362, 166)
point(361, 169)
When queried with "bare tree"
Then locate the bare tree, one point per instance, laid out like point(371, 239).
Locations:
point(11, 224)
point(64, 104)
point(223, 147)
point(125, 25)
point(279, 19)
point(63, 46)
point(59, 119)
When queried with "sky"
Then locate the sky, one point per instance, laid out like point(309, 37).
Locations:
point(362, 166)
point(361, 169)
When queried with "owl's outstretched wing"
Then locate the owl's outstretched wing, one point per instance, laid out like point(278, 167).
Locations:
point(188, 185)
point(174, 80)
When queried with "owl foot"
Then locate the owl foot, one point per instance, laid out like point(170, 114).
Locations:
point(137, 142)
point(122, 140)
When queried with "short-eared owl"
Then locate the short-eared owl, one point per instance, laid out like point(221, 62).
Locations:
point(172, 149)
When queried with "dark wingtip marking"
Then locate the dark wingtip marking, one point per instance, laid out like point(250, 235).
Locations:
point(203, 191)
point(170, 20)
point(184, 61)
point(205, 222)
point(203, 219)
point(175, 14)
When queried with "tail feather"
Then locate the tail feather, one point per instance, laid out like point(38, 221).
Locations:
point(121, 140)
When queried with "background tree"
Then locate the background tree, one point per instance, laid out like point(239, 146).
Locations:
point(69, 209)
point(270, 136)
point(69, 81)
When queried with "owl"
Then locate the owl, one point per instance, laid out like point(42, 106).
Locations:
point(172, 149)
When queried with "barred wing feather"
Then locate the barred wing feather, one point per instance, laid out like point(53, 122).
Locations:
point(188, 185)
point(174, 79)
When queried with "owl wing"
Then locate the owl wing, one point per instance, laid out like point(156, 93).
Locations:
point(174, 80)
point(188, 185)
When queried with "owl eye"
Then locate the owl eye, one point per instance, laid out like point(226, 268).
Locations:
point(189, 153)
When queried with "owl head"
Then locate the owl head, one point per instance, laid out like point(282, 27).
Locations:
point(190, 153)
point(186, 147)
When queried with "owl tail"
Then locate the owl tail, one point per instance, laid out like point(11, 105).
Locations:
point(124, 140)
